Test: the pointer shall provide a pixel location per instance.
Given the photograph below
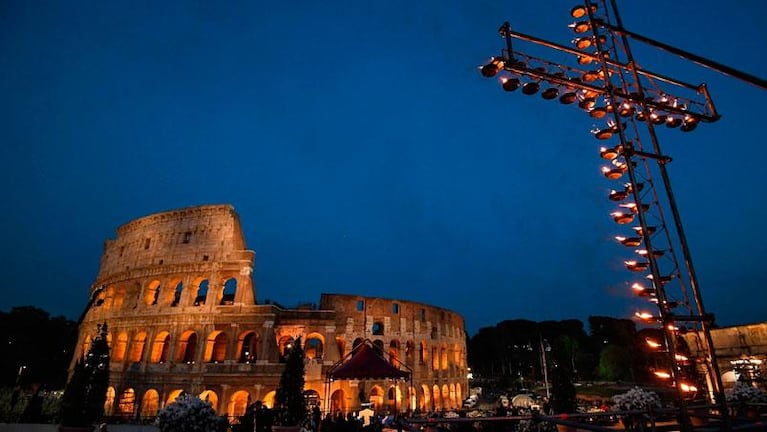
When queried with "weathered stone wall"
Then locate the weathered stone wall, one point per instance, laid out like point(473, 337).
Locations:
point(734, 346)
point(176, 292)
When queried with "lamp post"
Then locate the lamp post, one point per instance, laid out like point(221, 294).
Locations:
point(634, 104)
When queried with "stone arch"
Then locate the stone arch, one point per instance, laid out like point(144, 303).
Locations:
point(172, 395)
point(200, 288)
point(119, 297)
point(109, 403)
point(434, 358)
point(378, 344)
point(118, 354)
point(426, 401)
point(445, 397)
point(109, 297)
point(314, 346)
point(422, 353)
point(238, 403)
point(137, 347)
point(152, 293)
point(409, 352)
point(394, 398)
point(150, 403)
point(443, 357)
point(215, 347)
point(169, 294)
point(377, 398)
point(284, 345)
point(337, 401)
point(355, 344)
point(127, 404)
point(177, 291)
point(436, 398)
point(160, 348)
point(458, 393)
point(394, 352)
point(341, 345)
point(457, 355)
point(268, 399)
point(187, 347)
point(212, 397)
point(248, 345)
point(453, 401)
point(229, 291)
point(413, 399)
point(312, 397)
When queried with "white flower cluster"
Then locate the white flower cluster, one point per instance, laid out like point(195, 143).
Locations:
point(636, 399)
point(188, 413)
point(744, 392)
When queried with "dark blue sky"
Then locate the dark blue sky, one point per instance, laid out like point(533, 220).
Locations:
point(363, 151)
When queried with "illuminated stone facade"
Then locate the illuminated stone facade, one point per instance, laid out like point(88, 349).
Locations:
point(182, 315)
point(740, 351)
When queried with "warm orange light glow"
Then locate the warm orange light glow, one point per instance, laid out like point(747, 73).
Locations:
point(662, 374)
point(644, 316)
point(622, 218)
point(652, 343)
point(688, 388)
point(681, 358)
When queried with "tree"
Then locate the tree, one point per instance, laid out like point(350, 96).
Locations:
point(83, 401)
point(562, 388)
point(290, 404)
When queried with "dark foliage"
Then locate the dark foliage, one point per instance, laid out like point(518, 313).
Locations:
point(85, 394)
point(562, 389)
point(41, 343)
point(290, 404)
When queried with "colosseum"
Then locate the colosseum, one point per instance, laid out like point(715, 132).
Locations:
point(176, 291)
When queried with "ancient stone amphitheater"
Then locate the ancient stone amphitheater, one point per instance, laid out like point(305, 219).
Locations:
point(176, 291)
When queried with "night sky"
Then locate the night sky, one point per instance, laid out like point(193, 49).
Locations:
point(363, 151)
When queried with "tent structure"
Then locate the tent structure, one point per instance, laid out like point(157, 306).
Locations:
point(366, 361)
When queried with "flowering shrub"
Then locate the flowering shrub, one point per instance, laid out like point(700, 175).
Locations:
point(744, 392)
point(636, 399)
point(189, 414)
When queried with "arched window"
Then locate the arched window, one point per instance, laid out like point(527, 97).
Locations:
point(137, 348)
point(355, 344)
point(379, 346)
point(422, 354)
point(150, 403)
point(160, 348)
point(249, 344)
point(202, 293)
point(173, 395)
point(210, 396)
point(187, 347)
point(152, 293)
point(394, 352)
point(409, 352)
point(286, 342)
point(127, 403)
point(215, 348)
point(110, 401)
point(179, 287)
point(118, 354)
point(341, 345)
point(238, 402)
point(230, 289)
point(313, 347)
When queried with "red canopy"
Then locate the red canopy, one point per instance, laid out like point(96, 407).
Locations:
point(365, 363)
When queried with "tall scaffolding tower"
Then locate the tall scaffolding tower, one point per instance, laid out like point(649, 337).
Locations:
point(607, 84)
